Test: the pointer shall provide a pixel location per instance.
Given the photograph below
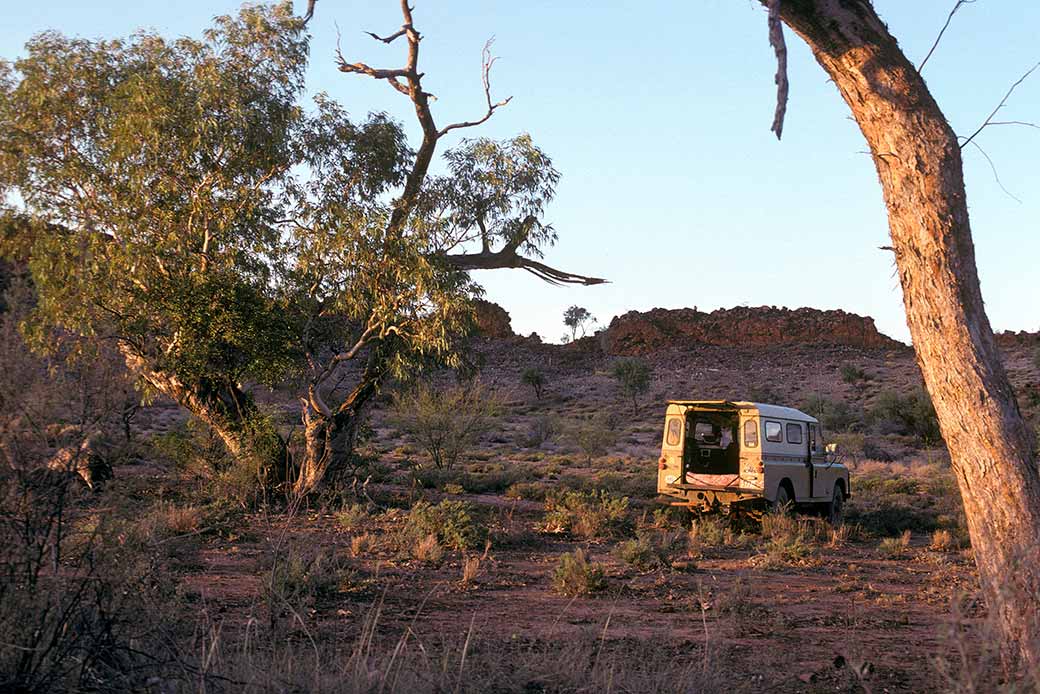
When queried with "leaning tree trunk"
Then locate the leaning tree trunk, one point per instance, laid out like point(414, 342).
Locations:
point(230, 412)
point(918, 159)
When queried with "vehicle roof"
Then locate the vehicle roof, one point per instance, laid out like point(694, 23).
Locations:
point(763, 409)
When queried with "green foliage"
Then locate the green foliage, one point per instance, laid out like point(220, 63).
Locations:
point(535, 378)
point(576, 318)
point(451, 522)
point(446, 423)
point(911, 415)
point(834, 415)
point(850, 373)
point(633, 377)
point(594, 436)
point(575, 575)
point(586, 514)
point(651, 549)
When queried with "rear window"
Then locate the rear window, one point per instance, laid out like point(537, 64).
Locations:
point(750, 433)
point(794, 433)
point(774, 432)
point(674, 431)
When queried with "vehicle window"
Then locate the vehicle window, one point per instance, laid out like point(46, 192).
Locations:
point(794, 433)
point(774, 432)
point(674, 431)
point(751, 433)
point(814, 437)
point(706, 432)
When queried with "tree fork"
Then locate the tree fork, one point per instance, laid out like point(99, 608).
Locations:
point(918, 161)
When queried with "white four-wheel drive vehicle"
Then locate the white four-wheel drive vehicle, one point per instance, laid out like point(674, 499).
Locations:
point(717, 454)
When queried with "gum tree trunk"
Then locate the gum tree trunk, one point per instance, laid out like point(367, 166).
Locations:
point(918, 160)
point(230, 412)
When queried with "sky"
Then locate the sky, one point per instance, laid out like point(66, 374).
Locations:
point(657, 115)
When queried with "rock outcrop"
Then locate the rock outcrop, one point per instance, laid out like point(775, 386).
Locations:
point(492, 320)
point(764, 326)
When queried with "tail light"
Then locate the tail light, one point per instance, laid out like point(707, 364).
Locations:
point(662, 463)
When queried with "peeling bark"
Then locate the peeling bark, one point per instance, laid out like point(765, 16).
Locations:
point(918, 161)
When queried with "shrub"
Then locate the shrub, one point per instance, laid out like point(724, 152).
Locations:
point(788, 540)
point(446, 423)
point(353, 517)
point(539, 430)
point(428, 549)
point(574, 575)
point(944, 541)
point(532, 491)
point(594, 437)
point(451, 522)
point(651, 550)
point(633, 377)
point(362, 544)
point(709, 530)
point(535, 378)
point(911, 415)
point(835, 415)
point(297, 581)
point(853, 374)
point(895, 547)
point(586, 514)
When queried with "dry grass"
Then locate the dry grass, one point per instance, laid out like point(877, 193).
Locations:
point(428, 549)
point(895, 547)
point(362, 544)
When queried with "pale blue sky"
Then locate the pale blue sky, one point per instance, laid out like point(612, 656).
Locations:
point(657, 113)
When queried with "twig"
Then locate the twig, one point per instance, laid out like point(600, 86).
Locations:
point(996, 177)
point(989, 119)
point(942, 31)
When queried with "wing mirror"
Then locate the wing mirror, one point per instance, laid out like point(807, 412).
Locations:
point(832, 449)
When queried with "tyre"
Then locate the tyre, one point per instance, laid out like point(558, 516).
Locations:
point(836, 508)
point(783, 502)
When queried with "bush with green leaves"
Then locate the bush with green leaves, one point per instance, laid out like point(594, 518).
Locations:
point(534, 378)
point(575, 575)
point(451, 522)
point(448, 422)
point(651, 549)
point(850, 373)
point(586, 514)
point(834, 415)
point(911, 414)
point(633, 378)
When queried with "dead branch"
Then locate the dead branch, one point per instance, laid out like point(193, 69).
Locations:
point(486, 62)
point(942, 31)
point(776, 40)
point(509, 258)
point(310, 11)
point(989, 119)
point(389, 39)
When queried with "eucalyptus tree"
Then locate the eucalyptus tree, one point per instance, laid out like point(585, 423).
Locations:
point(177, 199)
point(917, 155)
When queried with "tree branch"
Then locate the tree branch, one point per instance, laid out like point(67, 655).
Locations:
point(776, 40)
point(989, 119)
point(486, 61)
point(942, 31)
point(506, 258)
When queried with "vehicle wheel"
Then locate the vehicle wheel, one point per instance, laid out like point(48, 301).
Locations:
point(783, 502)
point(836, 508)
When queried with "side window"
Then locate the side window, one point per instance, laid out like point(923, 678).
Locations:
point(794, 433)
point(674, 431)
point(814, 438)
point(751, 433)
point(774, 432)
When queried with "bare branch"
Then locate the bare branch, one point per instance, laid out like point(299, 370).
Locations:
point(942, 31)
point(989, 119)
point(310, 11)
point(1015, 122)
point(993, 168)
point(506, 258)
point(390, 39)
point(391, 76)
point(486, 62)
point(776, 40)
